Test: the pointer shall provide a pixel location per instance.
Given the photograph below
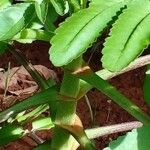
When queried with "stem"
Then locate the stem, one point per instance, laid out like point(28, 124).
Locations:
point(105, 74)
point(87, 75)
point(66, 111)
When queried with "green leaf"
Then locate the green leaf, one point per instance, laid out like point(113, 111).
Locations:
point(3, 47)
point(41, 10)
point(128, 37)
point(30, 35)
point(102, 2)
point(42, 124)
point(59, 6)
point(50, 18)
point(45, 97)
point(74, 5)
point(35, 24)
point(5, 3)
point(10, 132)
point(137, 139)
point(13, 19)
point(79, 31)
point(146, 86)
point(22, 117)
point(46, 14)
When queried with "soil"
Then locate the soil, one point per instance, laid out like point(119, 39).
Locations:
point(105, 111)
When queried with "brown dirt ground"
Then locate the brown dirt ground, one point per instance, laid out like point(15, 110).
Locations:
point(105, 112)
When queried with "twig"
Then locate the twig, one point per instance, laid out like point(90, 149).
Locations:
point(90, 108)
point(139, 62)
point(7, 80)
point(41, 81)
point(93, 51)
point(106, 75)
point(108, 110)
point(36, 138)
point(101, 131)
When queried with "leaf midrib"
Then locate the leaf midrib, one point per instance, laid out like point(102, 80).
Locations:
point(69, 43)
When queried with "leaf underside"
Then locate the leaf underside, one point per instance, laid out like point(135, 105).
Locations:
point(80, 30)
point(129, 36)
